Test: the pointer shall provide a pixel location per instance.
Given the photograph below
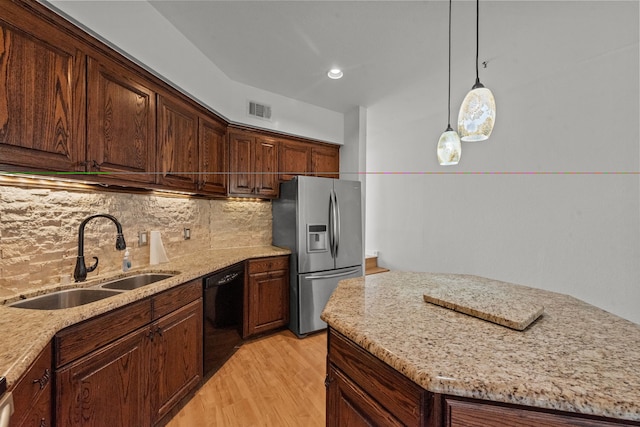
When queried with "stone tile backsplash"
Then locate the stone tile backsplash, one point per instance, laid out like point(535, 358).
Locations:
point(39, 230)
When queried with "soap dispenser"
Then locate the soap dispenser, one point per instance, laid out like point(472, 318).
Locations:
point(126, 262)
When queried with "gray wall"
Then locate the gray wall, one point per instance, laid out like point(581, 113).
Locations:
point(565, 77)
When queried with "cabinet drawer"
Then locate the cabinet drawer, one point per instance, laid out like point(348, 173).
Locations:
point(461, 413)
point(33, 391)
point(268, 264)
point(78, 340)
point(175, 298)
point(351, 406)
point(396, 393)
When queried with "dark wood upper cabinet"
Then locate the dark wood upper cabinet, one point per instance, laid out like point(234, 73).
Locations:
point(120, 123)
point(214, 157)
point(307, 158)
point(177, 144)
point(266, 167)
point(241, 163)
point(69, 103)
point(253, 165)
point(42, 84)
point(294, 159)
point(325, 161)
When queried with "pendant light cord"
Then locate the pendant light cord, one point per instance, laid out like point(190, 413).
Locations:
point(477, 38)
point(449, 94)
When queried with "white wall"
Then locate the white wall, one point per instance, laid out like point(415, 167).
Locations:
point(139, 31)
point(565, 77)
point(353, 156)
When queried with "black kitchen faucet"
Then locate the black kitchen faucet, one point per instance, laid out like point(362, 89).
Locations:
point(80, 273)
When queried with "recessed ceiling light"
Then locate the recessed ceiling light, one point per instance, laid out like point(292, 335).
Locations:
point(335, 73)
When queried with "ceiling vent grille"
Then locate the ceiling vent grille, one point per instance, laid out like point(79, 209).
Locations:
point(260, 111)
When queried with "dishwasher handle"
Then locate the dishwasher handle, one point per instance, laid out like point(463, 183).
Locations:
point(6, 409)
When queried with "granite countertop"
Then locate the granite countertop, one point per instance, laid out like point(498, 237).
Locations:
point(24, 333)
point(575, 357)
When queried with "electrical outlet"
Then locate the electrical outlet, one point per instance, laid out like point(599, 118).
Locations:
point(187, 233)
point(142, 238)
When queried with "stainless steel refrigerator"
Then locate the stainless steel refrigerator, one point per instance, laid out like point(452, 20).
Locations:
point(320, 221)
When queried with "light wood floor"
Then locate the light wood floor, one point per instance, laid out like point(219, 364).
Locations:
point(273, 381)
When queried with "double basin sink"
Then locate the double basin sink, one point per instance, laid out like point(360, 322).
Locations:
point(75, 297)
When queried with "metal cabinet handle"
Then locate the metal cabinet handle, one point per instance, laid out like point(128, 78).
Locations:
point(153, 332)
point(327, 381)
point(44, 380)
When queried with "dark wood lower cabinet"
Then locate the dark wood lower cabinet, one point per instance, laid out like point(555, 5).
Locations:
point(177, 357)
point(32, 394)
point(108, 387)
point(351, 406)
point(470, 413)
point(266, 295)
point(364, 391)
point(138, 378)
point(360, 385)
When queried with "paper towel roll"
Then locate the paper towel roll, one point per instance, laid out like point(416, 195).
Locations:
point(157, 253)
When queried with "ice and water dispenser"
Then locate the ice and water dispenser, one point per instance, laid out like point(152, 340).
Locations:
point(316, 238)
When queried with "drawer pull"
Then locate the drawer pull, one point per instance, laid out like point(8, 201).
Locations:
point(327, 381)
point(44, 380)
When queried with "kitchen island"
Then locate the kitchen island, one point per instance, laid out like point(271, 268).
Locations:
point(575, 360)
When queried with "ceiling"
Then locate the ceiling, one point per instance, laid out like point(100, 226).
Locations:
point(287, 47)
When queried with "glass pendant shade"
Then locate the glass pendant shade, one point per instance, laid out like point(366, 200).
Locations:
point(477, 114)
point(449, 148)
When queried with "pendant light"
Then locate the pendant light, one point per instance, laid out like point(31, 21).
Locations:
point(478, 111)
point(449, 147)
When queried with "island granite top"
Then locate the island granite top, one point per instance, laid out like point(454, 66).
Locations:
point(24, 333)
point(575, 357)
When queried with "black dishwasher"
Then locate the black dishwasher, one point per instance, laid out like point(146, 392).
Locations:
point(222, 329)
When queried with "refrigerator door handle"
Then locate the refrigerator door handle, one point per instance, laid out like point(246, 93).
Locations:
point(331, 276)
point(337, 223)
point(334, 220)
point(331, 225)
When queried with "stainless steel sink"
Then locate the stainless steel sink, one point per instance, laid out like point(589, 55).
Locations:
point(135, 282)
point(64, 299)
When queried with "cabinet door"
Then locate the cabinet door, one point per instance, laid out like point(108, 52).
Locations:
point(266, 168)
point(108, 387)
point(294, 159)
point(378, 381)
point(120, 123)
point(176, 357)
point(32, 394)
point(325, 162)
point(214, 165)
point(266, 295)
point(268, 301)
point(42, 84)
point(349, 406)
point(177, 144)
point(241, 178)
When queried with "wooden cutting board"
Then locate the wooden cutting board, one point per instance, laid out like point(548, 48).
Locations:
point(499, 302)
